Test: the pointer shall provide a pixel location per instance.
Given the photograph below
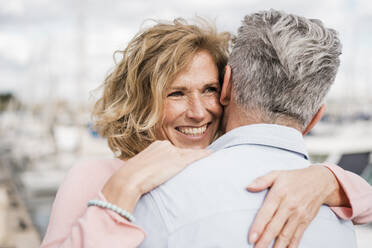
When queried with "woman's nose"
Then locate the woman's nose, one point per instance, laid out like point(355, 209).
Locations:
point(196, 109)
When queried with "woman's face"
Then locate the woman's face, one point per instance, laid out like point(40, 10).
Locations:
point(191, 109)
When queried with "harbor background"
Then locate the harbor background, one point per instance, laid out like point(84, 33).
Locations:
point(54, 55)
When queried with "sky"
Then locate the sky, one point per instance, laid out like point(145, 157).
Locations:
point(63, 49)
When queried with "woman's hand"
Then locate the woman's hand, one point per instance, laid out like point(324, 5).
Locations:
point(292, 203)
point(147, 170)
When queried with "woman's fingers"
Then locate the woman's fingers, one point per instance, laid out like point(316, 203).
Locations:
point(298, 235)
point(286, 234)
point(264, 216)
point(191, 155)
point(161, 161)
point(299, 193)
point(269, 206)
point(274, 227)
point(263, 182)
point(305, 218)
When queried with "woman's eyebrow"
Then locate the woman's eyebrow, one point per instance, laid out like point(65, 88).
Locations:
point(210, 84)
point(205, 85)
point(178, 88)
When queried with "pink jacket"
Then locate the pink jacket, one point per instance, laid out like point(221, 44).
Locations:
point(72, 224)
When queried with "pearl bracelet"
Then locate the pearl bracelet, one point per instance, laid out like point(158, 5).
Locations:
point(112, 207)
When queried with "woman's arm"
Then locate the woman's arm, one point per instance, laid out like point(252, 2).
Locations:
point(296, 196)
point(147, 170)
point(358, 193)
point(72, 224)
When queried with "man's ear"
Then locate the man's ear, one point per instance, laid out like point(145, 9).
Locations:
point(226, 87)
point(315, 119)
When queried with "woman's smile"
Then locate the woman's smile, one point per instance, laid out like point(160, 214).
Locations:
point(193, 131)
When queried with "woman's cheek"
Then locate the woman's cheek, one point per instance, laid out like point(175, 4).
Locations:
point(173, 110)
point(214, 106)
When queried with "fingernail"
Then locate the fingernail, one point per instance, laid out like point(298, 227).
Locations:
point(252, 185)
point(253, 238)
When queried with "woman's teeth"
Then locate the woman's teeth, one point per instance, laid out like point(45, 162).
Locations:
point(192, 130)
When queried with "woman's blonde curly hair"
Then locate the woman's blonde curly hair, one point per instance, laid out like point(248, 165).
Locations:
point(132, 100)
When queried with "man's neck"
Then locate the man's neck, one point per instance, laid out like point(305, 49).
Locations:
point(236, 117)
point(240, 119)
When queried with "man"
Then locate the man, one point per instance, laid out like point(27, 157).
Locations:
point(279, 71)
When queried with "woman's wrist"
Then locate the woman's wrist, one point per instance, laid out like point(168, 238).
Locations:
point(123, 191)
point(103, 204)
point(336, 196)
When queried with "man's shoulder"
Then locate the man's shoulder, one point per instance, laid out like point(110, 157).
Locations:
point(231, 161)
point(247, 161)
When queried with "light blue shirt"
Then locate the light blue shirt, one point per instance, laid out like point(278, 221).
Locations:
point(207, 205)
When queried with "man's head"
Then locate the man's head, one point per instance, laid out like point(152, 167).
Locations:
point(282, 67)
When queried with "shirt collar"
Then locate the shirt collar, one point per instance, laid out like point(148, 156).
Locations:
point(263, 134)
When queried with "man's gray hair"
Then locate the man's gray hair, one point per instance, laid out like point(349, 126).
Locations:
point(283, 65)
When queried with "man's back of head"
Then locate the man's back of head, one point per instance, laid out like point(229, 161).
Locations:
point(283, 66)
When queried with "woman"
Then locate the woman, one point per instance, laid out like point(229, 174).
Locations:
point(156, 92)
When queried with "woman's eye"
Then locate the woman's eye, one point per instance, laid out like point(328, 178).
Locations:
point(176, 93)
point(211, 89)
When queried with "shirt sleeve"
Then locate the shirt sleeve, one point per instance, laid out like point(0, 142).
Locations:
point(72, 224)
point(358, 192)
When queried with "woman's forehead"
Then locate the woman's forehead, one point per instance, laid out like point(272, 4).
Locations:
point(201, 70)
